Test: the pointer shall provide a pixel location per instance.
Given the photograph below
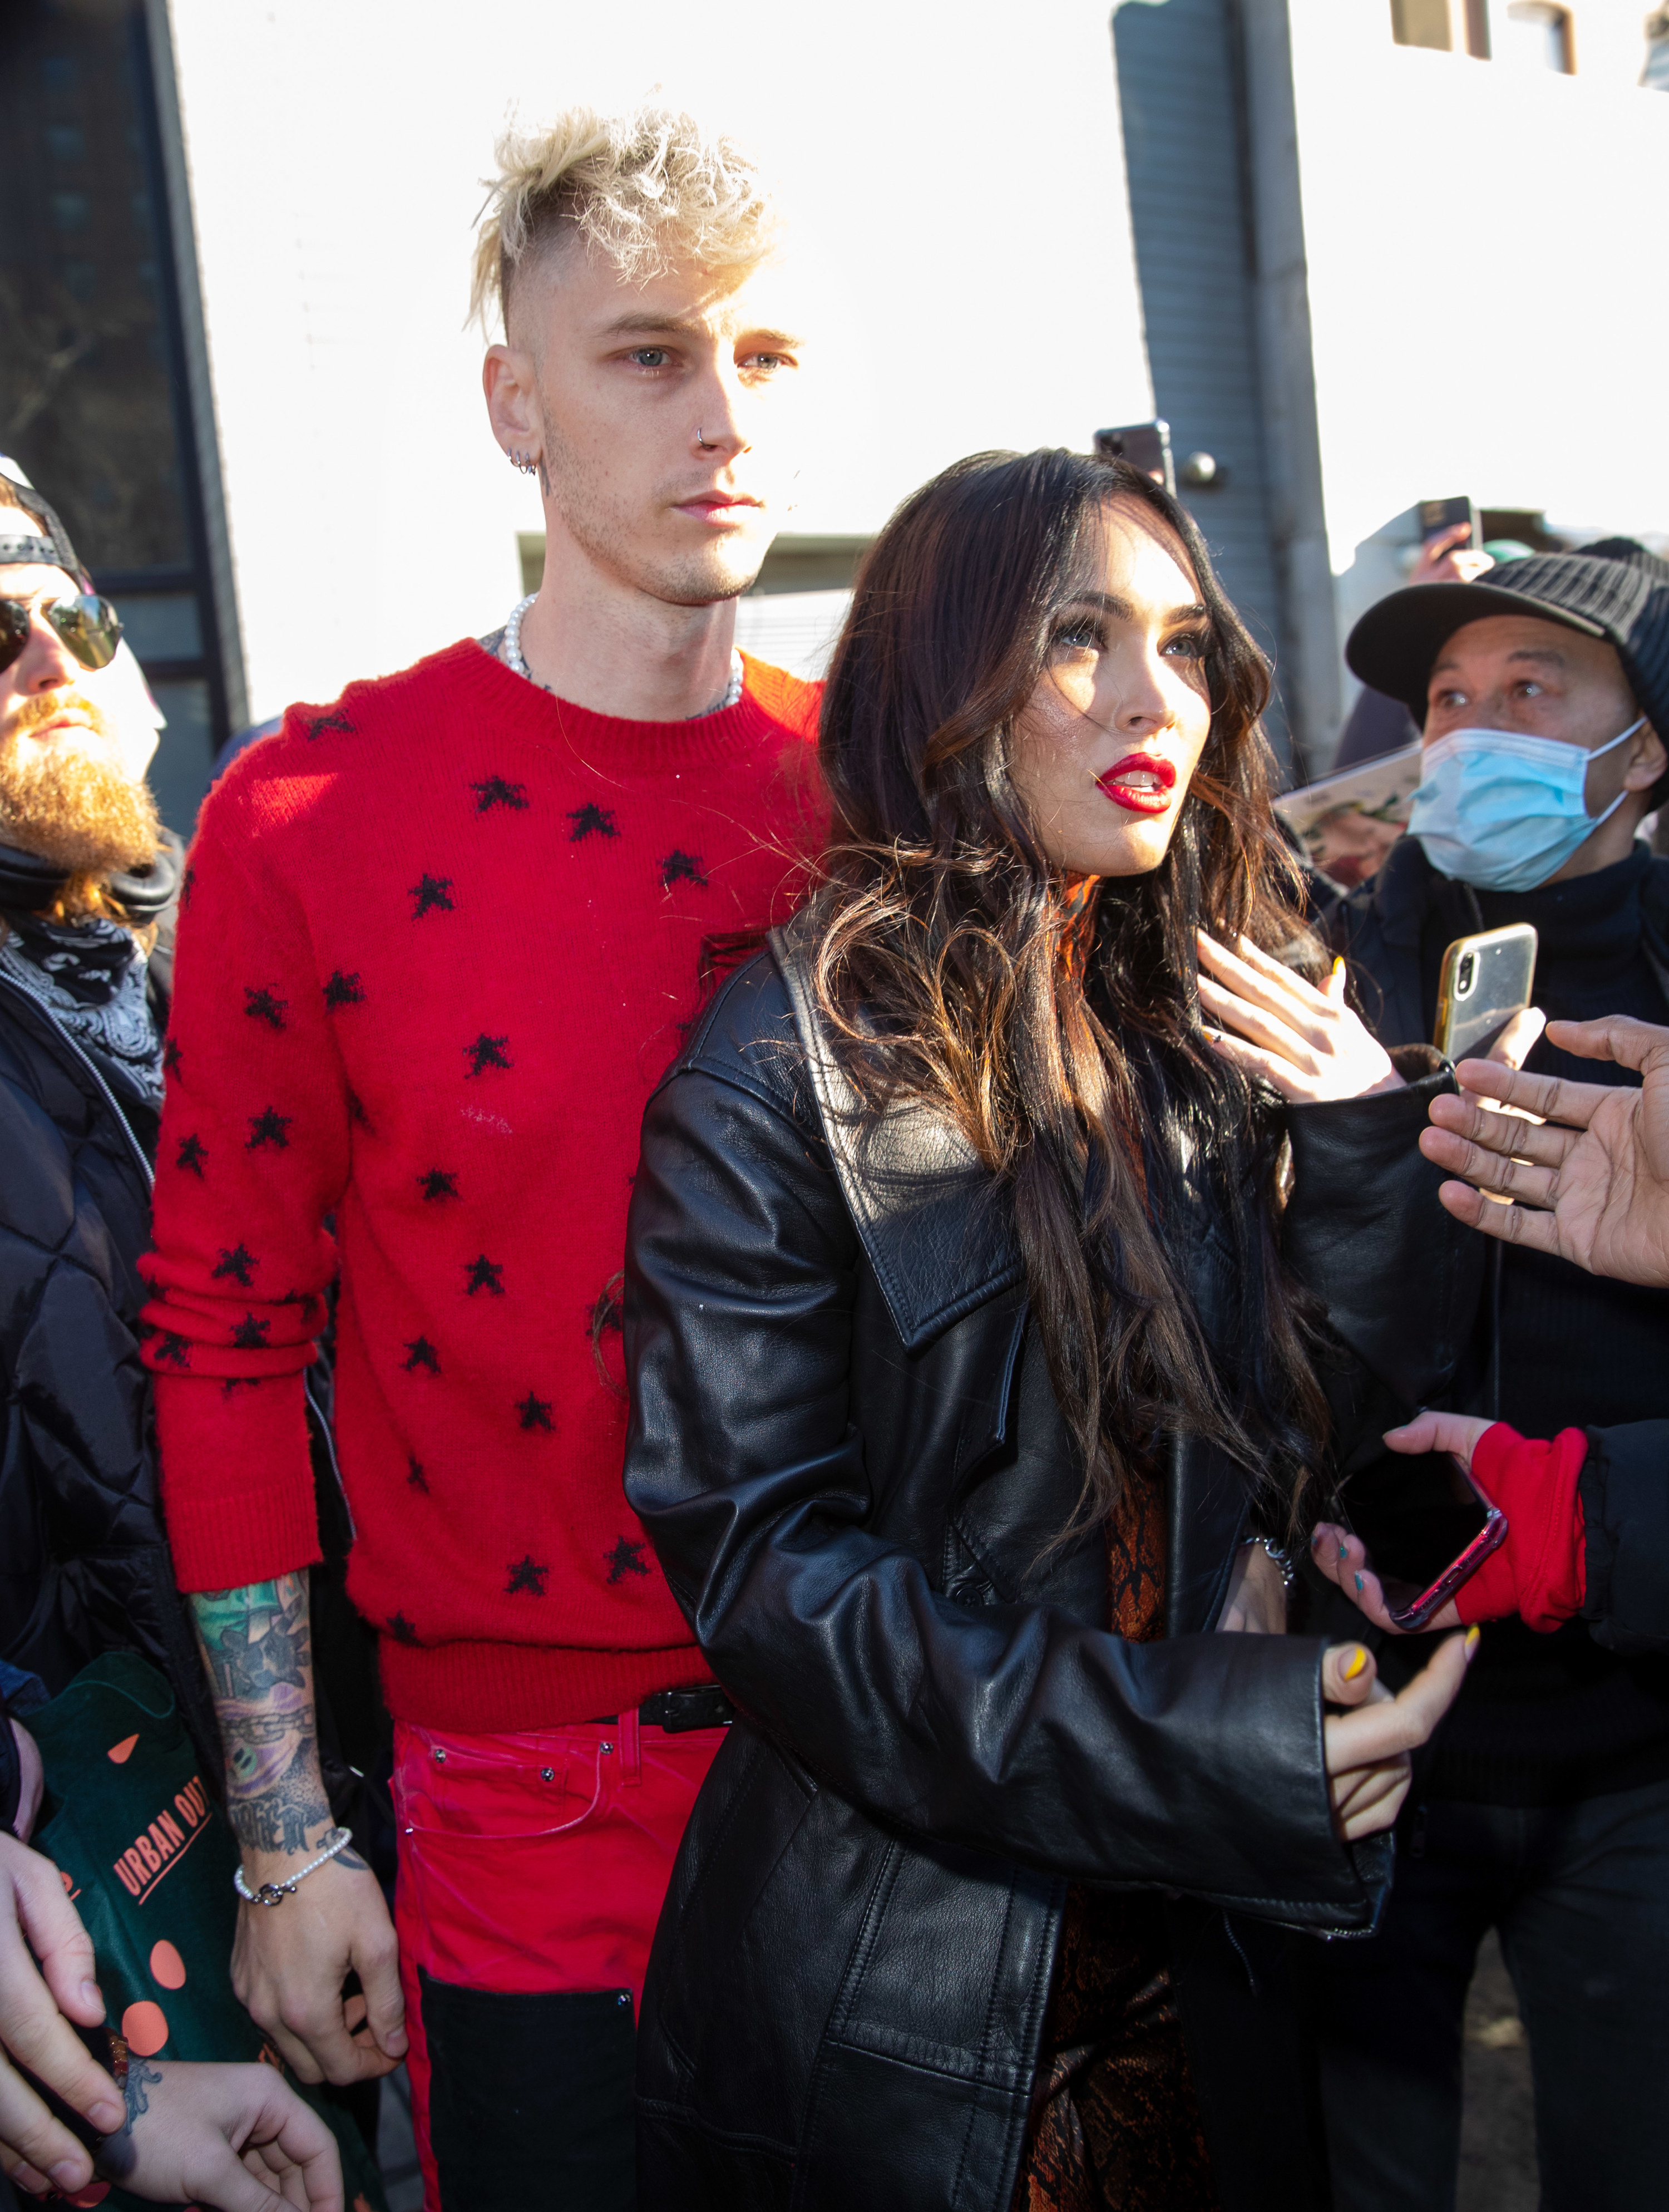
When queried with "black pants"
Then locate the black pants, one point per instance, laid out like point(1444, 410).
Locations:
point(1581, 1896)
point(530, 2099)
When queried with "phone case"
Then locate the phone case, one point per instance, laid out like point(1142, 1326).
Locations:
point(1485, 980)
point(1489, 1538)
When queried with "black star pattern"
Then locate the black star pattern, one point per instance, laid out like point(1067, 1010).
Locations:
point(188, 887)
point(401, 1628)
point(171, 1057)
point(191, 1156)
point(525, 1574)
point(270, 1127)
point(323, 722)
point(261, 1007)
point(233, 1383)
point(591, 822)
point(626, 1558)
point(431, 891)
point(305, 1299)
point(437, 1183)
point(536, 1413)
point(175, 1351)
point(343, 991)
point(484, 1276)
point(681, 867)
point(251, 1333)
point(495, 792)
point(237, 1263)
point(356, 1113)
point(420, 1353)
point(487, 1052)
point(149, 1284)
point(414, 1474)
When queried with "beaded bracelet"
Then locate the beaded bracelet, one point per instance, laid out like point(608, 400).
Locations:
point(275, 1893)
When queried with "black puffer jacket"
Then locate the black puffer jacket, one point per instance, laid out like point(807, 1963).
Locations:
point(845, 1446)
point(84, 1565)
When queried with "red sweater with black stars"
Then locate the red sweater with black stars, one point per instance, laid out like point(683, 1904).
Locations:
point(440, 940)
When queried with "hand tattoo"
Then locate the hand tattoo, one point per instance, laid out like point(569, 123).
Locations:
point(118, 2153)
point(257, 1645)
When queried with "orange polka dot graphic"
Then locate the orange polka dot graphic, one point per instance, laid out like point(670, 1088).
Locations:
point(145, 2027)
point(167, 1967)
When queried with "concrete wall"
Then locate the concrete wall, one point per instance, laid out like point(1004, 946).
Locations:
point(962, 185)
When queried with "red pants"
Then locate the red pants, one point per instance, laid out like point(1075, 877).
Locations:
point(532, 1868)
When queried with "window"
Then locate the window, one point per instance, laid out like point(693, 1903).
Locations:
point(1537, 36)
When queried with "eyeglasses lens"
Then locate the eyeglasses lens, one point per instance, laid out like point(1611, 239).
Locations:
point(14, 630)
point(89, 626)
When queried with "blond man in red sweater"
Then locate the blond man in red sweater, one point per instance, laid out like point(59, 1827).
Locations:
point(441, 936)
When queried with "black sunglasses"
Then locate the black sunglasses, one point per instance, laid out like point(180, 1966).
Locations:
point(89, 626)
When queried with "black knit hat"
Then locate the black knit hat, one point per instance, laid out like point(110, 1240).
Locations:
point(1614, 589)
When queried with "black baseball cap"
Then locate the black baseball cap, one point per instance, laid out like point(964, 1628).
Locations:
point(1614, 589)
point(56, 552)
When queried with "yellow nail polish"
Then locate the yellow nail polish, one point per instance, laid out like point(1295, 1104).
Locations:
point(1474, 1637)
point(1338, 965)
point(1360, 1661)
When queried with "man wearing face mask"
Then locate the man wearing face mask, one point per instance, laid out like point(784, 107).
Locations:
point(1544, 1807)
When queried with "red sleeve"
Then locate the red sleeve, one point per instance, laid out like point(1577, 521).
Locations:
point(253, 1156)
point(1540, 1572)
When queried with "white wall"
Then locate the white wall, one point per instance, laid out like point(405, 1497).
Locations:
point(962, 170)
point(1486, 285)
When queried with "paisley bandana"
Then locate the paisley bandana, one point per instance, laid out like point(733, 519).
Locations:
point(90, 975)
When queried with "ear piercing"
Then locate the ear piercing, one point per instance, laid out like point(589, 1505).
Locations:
point(525, 462)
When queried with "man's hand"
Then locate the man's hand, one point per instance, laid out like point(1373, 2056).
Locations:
point(1591, 1184)
point(289, 1960)
point(1368, 1767)
point(1451, 557)
point(236, 2138)
point(37, 1917)
point(31, 1780)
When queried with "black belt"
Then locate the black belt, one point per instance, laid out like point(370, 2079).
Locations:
point(679, 1710)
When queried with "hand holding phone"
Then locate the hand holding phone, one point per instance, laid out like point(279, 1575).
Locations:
point(1448, 1529)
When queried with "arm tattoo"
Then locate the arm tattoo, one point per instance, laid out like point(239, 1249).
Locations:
point(257, 1645)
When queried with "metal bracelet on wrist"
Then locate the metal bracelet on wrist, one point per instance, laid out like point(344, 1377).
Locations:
point(275, 1893)
point(1282, 1559)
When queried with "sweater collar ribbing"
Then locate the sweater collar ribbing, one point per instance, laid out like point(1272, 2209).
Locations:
point(613, 741)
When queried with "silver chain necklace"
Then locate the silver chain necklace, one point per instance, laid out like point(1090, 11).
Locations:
point(515, 659)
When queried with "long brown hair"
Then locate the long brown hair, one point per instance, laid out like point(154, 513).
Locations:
point(1093, 1098)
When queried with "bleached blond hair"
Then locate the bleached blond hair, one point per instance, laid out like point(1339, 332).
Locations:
point(646, 190)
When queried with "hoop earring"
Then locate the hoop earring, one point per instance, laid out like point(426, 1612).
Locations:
point(524, 462)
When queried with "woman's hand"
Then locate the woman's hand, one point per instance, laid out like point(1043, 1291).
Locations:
point(1368, 1749)
point(37, 2004)
point(1342, 1556)
point(1308, 1043)
point(1591, 1182)
point(237, 2137)
point(1256, 1604)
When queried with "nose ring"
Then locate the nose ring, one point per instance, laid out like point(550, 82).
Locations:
point(700, 441)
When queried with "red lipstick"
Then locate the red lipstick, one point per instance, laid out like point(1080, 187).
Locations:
point(1141, 783)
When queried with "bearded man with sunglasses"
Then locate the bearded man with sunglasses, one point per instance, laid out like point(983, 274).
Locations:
point(88, 881)
point(441, 937)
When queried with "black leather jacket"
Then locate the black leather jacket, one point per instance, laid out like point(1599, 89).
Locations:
point(846, 1449)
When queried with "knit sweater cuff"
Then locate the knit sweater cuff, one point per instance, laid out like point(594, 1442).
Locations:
point(1540, 1572)
point(255, 1516)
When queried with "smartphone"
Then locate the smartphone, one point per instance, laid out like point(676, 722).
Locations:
point(1439, 1533)
point(1146, 445)
point(1437, 515)
point(1485, 980)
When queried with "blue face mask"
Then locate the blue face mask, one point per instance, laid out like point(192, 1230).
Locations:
point(1504, 812)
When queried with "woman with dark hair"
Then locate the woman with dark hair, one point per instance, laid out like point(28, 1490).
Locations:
point(980, 1360)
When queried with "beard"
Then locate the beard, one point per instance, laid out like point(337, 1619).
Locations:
point(74, 808)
